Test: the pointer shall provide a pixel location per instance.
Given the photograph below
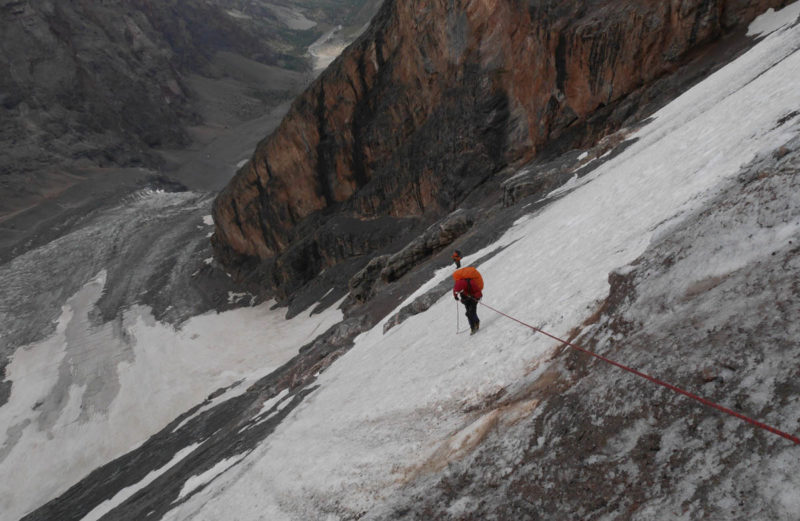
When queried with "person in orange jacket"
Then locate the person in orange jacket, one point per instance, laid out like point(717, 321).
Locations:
point(457, 258)
point(469, 294)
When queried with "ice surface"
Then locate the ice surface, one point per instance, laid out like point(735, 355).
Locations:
point(389, 405)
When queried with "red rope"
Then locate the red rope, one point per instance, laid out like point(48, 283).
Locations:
point(669, 386)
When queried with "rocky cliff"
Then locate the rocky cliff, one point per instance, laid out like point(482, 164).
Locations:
point(103, 84)
point(435, 98)
point(109, 74)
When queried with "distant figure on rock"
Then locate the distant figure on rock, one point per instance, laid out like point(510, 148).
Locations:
point(457, 258)
point(468, 288)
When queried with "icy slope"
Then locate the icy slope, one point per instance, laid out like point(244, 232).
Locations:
point(397, 406)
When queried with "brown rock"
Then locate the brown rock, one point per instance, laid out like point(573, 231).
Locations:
point(437, 96)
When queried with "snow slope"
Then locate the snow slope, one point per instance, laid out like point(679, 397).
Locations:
point(89, 393)
point(397, 405)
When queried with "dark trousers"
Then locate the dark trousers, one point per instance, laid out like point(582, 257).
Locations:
point(471, 305)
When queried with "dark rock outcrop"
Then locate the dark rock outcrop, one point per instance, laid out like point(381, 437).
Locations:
point(388, 268)
point(434, 239)
point(436, 97)
point(362, 285)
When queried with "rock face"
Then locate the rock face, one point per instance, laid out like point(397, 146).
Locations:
point(96, 84)
point(437, 97)
point(90, 84)
point(110, 73)
point(95, 70)
point(434, 239)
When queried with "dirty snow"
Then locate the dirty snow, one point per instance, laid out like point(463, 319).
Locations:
point(386, 407)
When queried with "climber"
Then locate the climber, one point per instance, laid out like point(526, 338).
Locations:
point(469, 286)
point(457, 258)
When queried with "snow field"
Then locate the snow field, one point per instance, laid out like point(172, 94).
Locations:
point(390, 403)
point(89, 394)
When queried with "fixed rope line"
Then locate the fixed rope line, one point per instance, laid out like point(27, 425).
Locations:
point(669, 386)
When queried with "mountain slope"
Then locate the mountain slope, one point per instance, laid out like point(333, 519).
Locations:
point(670, 246)
point(109, 84)
point(702, 250)
point(676, 255)
point(708, 306)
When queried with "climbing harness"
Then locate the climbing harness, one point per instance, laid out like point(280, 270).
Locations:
point(669, 386)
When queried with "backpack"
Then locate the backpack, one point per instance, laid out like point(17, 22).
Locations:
point(470, 273)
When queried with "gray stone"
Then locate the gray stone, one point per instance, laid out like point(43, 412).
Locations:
point(434, 239)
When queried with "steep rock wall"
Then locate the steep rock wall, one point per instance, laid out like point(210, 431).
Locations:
point(437, 96)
